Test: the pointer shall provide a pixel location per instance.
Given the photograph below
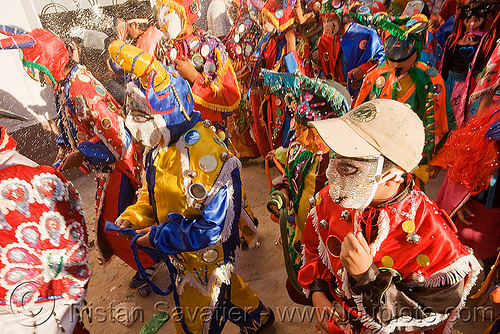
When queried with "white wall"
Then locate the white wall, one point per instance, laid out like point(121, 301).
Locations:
point(56, 6)
point(18, 92)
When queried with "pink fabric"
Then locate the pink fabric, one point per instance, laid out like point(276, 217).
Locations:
point(149, 39)
point(483, 236)
point(458, 100)
point(450, 196)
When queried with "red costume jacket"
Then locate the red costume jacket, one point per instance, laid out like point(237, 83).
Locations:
point(432, 269)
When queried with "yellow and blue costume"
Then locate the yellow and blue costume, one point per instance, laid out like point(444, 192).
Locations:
point(194, 202)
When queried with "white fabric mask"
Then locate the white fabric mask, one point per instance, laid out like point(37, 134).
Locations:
point(147, 129)
point(269, 28)
point(354, 181)
point(169, 21)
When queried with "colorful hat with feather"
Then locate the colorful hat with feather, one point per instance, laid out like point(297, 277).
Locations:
point(162, 88)
point(310, 99)
point(406, 35)
point(280, 12)
point(41, 51)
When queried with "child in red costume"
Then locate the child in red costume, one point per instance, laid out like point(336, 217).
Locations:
point(375, 243)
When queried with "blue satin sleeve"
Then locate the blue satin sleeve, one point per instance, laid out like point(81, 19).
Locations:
point(181, 234)
point(290, 62)
point(96, 154)
point(117, 70)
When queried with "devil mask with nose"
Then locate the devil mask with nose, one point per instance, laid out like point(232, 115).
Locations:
point(42, 52)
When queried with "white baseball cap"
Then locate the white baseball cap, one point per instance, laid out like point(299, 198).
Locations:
point(382, 126)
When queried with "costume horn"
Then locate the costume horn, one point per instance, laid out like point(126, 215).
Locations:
point(19, 38)
point(136, 61)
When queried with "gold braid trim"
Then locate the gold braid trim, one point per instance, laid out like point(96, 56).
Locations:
point(216, 107)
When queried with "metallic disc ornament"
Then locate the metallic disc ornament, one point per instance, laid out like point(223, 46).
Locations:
point(408, 226)
point(380, 82)
point(210, 255)
point(333, 245)
point(205, 50)
point(81, 136)
point(248, 50)
point(387, 261)
point(197, 60)
point(194, 43)
point(237, 49)
point(241, 28)
point(191, 137)
point(106, 123)
point(100, 90)
point(197, 191)
point(209, 68)
point(423, 260)
point(208, 163)
point(111, 106)
point(236, 38)
point(173, 54)
point(83, 78)
point(279, 13)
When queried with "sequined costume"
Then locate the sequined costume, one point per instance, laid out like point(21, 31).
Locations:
point(422, 87)
point(43, 246)
point(272, 122)
point(91, 123)
point(240, 44)
point(381, 83)
point(193, 200)
point(403, 240)
point(215, 91)
point(307, 159)
point(489, 78)
point(359, 47)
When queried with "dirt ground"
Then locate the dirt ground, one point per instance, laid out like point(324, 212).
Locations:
point(111, 303)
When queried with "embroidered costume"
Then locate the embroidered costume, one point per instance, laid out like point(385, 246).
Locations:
point(215, 91)
point(193, 199)
point(43, 246)
point(241, 42)
point(91, 123)
point(425, 265)
point(358, 47)
point(422, 87)
point(274, 53)
point(489, 78)
point(420, 274)
point(306, 162)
